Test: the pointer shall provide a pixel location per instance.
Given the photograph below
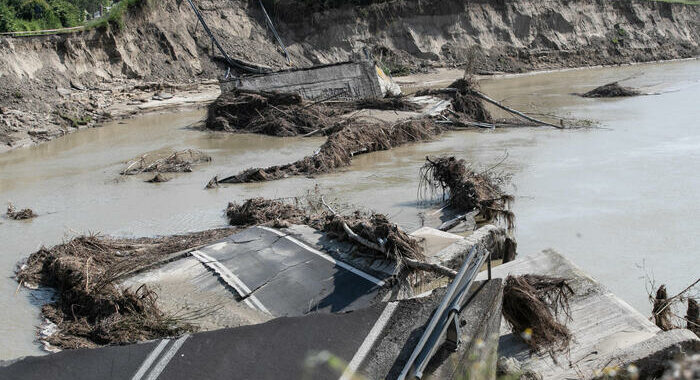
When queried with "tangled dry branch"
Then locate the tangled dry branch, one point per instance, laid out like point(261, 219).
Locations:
point(531, 305)
point(91, 309)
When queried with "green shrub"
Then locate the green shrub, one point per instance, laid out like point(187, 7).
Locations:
point(8, 21)
point(67, 13)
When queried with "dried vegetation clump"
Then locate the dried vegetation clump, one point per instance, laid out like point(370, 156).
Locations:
point(92, 309)
point(531, 305)
point(260, 211)
point(175, 162)
point(666, 311)
point(285, 114)
point(394, 244)
point(611, 90)
point(466, 103)
point(464, 189)
point(269, 113)
point(342, 146)
point(23, 214)
point(383, 239)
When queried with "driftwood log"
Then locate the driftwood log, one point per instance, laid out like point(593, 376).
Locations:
point(411, 263)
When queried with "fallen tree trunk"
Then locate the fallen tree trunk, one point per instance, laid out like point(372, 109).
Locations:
point(513, 111)
point(411, 263)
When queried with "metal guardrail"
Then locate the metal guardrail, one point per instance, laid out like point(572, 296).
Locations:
point(29, 33)
point(444, 325)
point(230, 61)
point(274, 32)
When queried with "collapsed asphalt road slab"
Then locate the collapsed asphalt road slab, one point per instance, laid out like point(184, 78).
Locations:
point(278, 349)
point(257, 274)
point(606, 331)
point(372, 342)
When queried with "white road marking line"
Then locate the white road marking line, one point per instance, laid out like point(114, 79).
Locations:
point(150, 359)
point(167, 357)
point(326, 256)
point(368, 343)
point(231, 279)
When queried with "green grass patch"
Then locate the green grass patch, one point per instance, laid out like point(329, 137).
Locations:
point(74, 120)
point(115, 17)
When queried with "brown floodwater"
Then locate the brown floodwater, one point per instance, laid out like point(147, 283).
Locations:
point(620, 200)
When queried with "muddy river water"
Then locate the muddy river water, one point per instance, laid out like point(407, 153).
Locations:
point(620, 200)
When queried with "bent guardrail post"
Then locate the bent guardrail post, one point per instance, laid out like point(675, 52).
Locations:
point(443, 324)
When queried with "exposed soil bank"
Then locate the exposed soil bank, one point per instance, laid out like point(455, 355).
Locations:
point(52, 85)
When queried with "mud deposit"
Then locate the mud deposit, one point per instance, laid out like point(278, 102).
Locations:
point(592, 194)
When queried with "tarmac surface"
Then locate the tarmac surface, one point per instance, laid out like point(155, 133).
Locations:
point(281, 275)
point(284, 348)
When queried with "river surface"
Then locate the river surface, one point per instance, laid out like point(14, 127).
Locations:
point(621, 200)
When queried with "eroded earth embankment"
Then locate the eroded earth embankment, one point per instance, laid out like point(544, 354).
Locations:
point(52, 85)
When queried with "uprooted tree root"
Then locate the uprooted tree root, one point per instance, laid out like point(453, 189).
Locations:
point(23, 214)
point(176, 162)
point(666, 311)
point(466, 105)
point(464, 189)
point(91, 309)
point(386, 238)
point(342, 146)
point(531, 305)
point(611, 90)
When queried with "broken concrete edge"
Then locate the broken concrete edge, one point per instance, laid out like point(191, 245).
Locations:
point(607, 332)
point(653, 356)
point(488, 236)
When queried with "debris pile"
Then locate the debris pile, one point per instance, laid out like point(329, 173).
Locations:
point(466, 104)
point(342, 146)
point(91, 309)
point(269, 113)
point(375, 235)
point(24, 214)
point(666, 311)
point(284, 114)
point(158, 178)
point(464, 189)
point(531, 305)
point(372, 235)
point(611, 90)
point(260, 211)
point(661, 309)
point(392, 103)
point(176, 162)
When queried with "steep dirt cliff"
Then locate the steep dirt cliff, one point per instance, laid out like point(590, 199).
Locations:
point(52, 85)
